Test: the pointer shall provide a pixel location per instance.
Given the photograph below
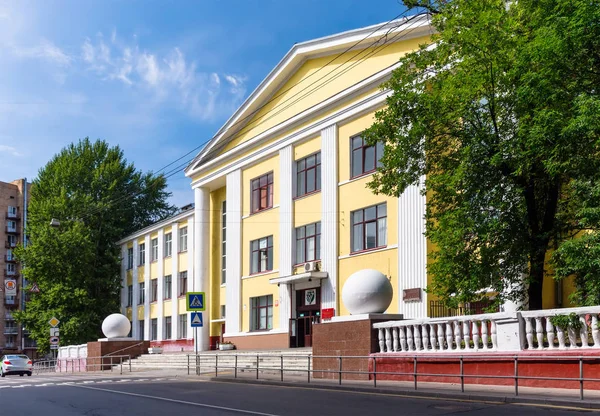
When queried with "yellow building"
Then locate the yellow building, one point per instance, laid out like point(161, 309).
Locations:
point(282, 216)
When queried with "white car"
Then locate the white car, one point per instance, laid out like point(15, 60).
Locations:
point(16, 364)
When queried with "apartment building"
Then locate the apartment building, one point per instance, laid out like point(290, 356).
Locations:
point(13, 216)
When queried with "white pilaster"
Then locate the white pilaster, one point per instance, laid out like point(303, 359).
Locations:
point(190, 268)
point(234, 253)
point(148, 256)
point(175, 282)
point(412, 250)
point(160, 295)
point(124, 279)
point(201, 259)
point(329, 216)
point(136, 292)
point(286, 226)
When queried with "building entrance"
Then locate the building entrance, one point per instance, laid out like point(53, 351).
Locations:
point(308, 312)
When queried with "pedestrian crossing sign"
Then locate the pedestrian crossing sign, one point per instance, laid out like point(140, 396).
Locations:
point(196, 319)
point(195, 301)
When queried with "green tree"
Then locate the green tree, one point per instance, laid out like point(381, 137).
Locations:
point(99, 198)
point(500, 114)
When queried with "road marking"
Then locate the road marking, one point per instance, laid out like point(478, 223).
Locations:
point(165, 399)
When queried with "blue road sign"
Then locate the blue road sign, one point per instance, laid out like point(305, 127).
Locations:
point(196, 319)
point(195, 301)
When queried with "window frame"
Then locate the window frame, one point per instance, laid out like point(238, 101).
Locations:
point(154, 250)
point(141, 254)
point(363, 223)
point(142, 293)
point(224, 242)
point(129, 258)
point(363, 148)
point(255, 307)
point(153, 290)
point(258, 250)
point(168, 283)
point(129, 296)
point(256, 192)
point(303, 240)
point(153, 329)
point(168, 249)
point(182, 326)
point(141, 330)
point(167, 328)
point(182, 287)
point(304, 172)
point(183, 240)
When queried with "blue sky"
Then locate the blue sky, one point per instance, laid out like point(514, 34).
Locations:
point(156, 77)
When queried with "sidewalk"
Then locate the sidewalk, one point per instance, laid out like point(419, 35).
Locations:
point(450, 391)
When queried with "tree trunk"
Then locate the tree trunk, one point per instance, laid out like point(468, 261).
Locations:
point(536, 277)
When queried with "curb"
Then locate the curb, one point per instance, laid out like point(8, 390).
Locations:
point(424, 394)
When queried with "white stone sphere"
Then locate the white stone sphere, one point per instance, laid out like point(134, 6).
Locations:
point(116, 326)
point(367, 291)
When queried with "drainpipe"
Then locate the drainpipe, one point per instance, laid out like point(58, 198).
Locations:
point(22, 303)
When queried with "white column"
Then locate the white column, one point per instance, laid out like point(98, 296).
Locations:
point(136, 292)
point(159, 299)
point(329, 217)
point(233, 298)
point(286, 227)
point(174, 282)
point(191, 286)
point(148, 256)
point(412, 250)
point(124, 279)
point(201, 259)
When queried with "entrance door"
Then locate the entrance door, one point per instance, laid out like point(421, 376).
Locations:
point(308, 312)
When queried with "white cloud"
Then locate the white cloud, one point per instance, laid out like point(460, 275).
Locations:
point(170, 78)
point(47, 51)
point(10, 150)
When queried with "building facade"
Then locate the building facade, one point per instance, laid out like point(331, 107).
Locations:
point(282, 213)
point(13, 216)
point(157, 272)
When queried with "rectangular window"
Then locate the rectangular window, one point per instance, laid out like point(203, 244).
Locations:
point(9, 255)
point(167, 330)
point(154, 252)
point(141, 329)
point(168, 285)
point(223, 310)
point(261, 255)
point(130, 258)
point(142, 254)
point(262, 192)
point(261, 314)
point(369, 228)
point(308, 243)
point(154, 290)
point(308, 175)
point(11, 226)
point(183, 326)
point(182, 283)
point(12, 240)
point(12, 212)
point(365, 158)
point(11, 269)
point(129, 295)
point(168, 244)
point(183, 239)
point(224, 243)
point(142, 294)
point(154, 329)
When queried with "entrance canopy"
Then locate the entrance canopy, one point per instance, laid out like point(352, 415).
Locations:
point(298, 278)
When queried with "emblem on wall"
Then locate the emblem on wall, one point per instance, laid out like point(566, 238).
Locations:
point(310, 297)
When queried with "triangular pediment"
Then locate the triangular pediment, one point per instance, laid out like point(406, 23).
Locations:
point(310, 73)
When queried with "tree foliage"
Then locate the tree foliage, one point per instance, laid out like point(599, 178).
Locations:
point(99, 198)
point(500, 115)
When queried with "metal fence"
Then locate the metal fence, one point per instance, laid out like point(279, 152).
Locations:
point(107, 363)
point(231, 363)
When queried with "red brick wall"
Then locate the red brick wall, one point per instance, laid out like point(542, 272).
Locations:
point(101, 348)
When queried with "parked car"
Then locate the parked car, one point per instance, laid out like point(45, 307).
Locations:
point(16, 364)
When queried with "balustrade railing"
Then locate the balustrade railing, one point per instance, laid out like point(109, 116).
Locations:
point(574, 328)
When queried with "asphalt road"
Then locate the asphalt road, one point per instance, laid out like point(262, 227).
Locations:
point(130, 396)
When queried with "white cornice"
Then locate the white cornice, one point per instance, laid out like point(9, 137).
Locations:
point(329, 45)
point(156, 226)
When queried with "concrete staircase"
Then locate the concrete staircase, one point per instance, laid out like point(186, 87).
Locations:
point(295, 361)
